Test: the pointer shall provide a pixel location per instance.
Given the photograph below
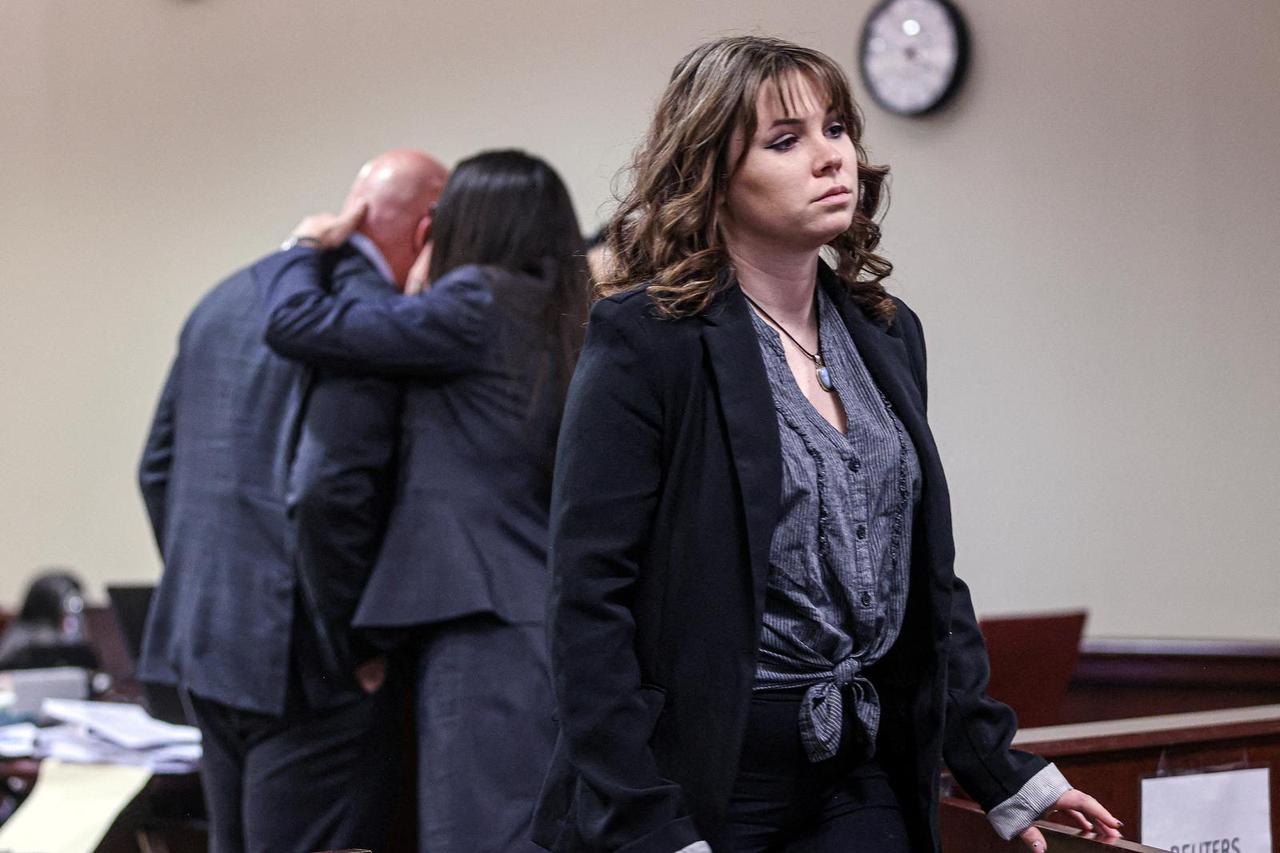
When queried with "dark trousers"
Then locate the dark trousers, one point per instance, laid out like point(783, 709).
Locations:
point(485, 734)
point(783, 803)
point(302, 782)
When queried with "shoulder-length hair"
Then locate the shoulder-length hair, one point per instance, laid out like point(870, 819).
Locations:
point(665, 232)
point(511, 210)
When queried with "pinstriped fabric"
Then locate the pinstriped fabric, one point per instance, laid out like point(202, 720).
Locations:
point(838, 570)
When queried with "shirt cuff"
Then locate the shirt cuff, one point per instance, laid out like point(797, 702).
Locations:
point(1018, 812)
point(696, 847)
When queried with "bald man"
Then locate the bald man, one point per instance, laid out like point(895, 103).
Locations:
point(266, 483)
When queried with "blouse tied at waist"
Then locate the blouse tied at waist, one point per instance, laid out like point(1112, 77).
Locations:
point(838, 574)
point(822, 710)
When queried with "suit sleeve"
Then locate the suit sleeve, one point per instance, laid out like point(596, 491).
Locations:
point(342, 482)
point(438, 333)
point(979, 730)
point(157, 457)
point(608, 472)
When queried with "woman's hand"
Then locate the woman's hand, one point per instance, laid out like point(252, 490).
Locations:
point(327, 231)
point(1082, 810)
point(371, 674)
point(417, 280)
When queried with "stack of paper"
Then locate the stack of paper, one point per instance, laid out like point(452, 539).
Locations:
point(116, 733)
point(122, 723)
point(17, 740)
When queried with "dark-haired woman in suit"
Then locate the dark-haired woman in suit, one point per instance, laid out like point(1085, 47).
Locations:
point(758, 640)
point(461, 576)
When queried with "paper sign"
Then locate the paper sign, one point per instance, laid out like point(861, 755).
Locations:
point(1227, 812)
point(71, 807)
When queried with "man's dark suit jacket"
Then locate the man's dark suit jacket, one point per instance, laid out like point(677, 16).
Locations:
point(468, 528)
point(253, 469)
point(667, 491)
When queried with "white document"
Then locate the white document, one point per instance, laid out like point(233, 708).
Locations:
point(119, 722)
point(75, 744)
point(44, 823)
point(17, 740)
point(1226, 812)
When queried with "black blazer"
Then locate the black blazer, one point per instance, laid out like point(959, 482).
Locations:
point(468, 526)
point(233, 449)
point(667, 492)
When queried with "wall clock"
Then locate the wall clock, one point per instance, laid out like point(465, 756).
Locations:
point(913, 54)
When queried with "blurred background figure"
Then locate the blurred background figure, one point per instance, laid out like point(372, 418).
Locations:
point(461, 581)
point(49, 629)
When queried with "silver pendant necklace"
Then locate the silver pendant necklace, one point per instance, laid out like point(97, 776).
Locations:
point(819, 367)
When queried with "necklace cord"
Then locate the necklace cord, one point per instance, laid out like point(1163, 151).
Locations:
point(816, 358)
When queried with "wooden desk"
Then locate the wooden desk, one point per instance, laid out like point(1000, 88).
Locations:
point(169, 812)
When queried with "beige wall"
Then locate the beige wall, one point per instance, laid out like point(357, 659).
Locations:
point(1089, 235)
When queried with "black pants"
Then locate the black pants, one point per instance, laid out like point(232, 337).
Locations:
point(783, 803)
point(303, 782)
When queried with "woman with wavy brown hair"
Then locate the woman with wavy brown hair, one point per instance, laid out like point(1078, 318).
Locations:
point(757, 637)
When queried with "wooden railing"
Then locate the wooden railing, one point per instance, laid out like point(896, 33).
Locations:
point(965, 830)
point(1109, 759)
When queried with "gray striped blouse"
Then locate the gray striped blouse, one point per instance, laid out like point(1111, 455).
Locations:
point(839, 560)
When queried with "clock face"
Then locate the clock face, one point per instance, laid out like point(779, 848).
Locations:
point(913, 54)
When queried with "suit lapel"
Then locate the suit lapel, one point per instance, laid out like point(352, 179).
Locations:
point(886, 358)
point(742, 385)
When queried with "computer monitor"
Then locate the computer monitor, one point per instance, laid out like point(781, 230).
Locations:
point(130, 602)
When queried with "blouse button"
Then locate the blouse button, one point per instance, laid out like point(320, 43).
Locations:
point(862, 531)
point(865, 598)
point(854, 465)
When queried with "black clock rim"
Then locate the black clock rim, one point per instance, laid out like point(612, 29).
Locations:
point(962, 59)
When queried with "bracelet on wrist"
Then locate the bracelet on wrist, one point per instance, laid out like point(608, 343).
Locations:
point(305, 242)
